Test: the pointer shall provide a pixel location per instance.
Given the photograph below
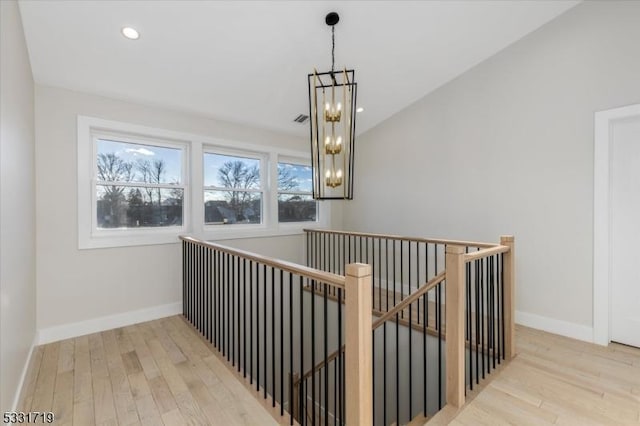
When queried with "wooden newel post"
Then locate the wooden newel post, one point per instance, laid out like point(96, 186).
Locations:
point(509, 296)
point(455, 297)
point(358, 349)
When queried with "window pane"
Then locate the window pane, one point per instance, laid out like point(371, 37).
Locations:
point(137, 207)
point(294, 177)
point(296, 208)
point(130, 162)
point(227, 171)
point(228, 207)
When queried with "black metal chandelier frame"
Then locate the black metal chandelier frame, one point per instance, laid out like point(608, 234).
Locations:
point(332, 156)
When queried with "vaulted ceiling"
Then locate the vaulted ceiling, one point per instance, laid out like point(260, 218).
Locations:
point(247, 61)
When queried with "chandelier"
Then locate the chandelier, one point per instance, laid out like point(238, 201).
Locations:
point(332, 113)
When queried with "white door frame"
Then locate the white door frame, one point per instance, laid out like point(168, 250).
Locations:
point(601, 218)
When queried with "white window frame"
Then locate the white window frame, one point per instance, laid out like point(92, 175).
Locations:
point(89, 237)
point(90, 130)
point(263, 161)
point(320, 213)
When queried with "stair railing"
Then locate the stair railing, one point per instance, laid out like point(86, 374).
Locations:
point(304, 337)
point(258, 313)
point(478, 280)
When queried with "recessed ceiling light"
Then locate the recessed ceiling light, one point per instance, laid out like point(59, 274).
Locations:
point(130, 33)
point(360, 109)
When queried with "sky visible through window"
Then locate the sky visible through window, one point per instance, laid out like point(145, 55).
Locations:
point(137, 153)
point(300, 175)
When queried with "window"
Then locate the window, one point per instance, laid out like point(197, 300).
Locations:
point(141, 185)
point(233, 189)
point(295, 199)
point(137, 185)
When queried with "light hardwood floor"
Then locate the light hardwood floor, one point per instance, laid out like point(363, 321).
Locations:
point(556, 380)
point(162, 372)
point(154, 373)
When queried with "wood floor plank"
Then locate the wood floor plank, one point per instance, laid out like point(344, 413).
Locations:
point(190, 409)
point(66, 357)
point(26, 399)
point(173, 418)
point(162, 395)
point(143, 353)
point(124, 342)
point(139, 385)
point(45, 384)
point(104, 405)
point(122, 397)
point(63, 398)
point(172, 349)
point(148, 411)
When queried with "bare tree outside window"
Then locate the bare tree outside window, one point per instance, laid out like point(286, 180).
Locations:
point(137, 192)
point(295, 202)
point(233, 189)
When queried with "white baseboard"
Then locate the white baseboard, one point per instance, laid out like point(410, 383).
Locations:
point(23, 376)
point(563, 328)
point(67, 331)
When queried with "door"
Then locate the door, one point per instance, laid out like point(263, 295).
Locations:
point(625, 231)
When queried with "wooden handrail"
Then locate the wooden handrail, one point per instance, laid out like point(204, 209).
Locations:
point(334, 280)
point(410, 299)
point(468, 257)
point(399, 237)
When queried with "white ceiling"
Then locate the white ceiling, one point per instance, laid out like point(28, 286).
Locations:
point(247, 61)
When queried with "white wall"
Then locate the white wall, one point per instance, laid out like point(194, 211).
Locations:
point(17, 205)
point(507, 148)
point(79, 285)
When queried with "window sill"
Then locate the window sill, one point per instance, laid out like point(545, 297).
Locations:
point(130, 239)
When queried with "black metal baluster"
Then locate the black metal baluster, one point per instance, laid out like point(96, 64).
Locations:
point(401, 275)
point(251, 322)
point(380, 274)
point(410, 328)
point(477, 317)
point(397, 389)
point(291, 304)
point(384, 372)
point(225, 301)
point(313, 350)
point(493, 313)
point(282, 343)
point(184, 278)
point(326, 355)
point(426, 273)
point(264, 326)
point(504, 348)
point(264, 303)
point(425, 300)
point(341, 357)
point(232, 322)
point(439, 327)
point(211, 297)
point(301, 400)
point(468, 317)
point(244, 318)
point(238, 310)
point(273, 337)
point(482, 329)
